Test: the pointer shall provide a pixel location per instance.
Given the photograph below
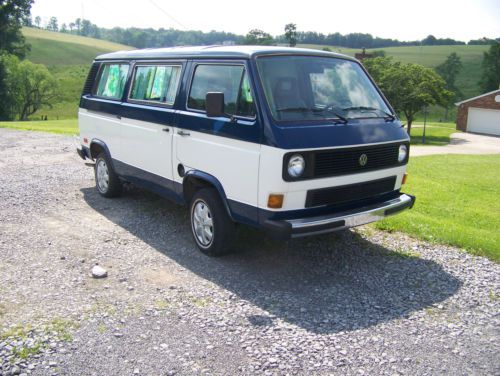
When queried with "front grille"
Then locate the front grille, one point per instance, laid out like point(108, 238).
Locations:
point(89, 82)
point(347, 161)
point(351, 192)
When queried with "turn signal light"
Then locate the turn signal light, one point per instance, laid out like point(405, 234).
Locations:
point(275, 201)
point(405, 176)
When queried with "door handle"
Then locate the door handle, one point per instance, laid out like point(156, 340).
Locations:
point(166, 129)
point(183, 133)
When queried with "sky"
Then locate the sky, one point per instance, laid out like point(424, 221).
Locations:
point(403, 19)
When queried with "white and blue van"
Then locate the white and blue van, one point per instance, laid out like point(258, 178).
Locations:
point(294, 141)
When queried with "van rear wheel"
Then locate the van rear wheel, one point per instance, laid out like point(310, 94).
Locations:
point(212, 228)
point(108, 184)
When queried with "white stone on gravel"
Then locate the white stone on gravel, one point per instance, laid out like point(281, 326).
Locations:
point(99, 272)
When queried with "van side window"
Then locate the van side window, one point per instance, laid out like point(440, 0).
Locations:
point(231, 80)
point(112, 81)
point(156, 83)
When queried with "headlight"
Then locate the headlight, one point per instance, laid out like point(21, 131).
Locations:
point(296, 165)
point(403, 152)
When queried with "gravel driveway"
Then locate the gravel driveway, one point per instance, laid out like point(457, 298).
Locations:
point(357, 302)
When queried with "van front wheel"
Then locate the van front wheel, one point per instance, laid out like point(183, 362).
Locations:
point(212, 229)
point(108, 184)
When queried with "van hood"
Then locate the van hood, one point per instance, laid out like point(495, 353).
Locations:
point(356, 132)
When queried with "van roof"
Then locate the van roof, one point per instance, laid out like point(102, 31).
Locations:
point(242, 52)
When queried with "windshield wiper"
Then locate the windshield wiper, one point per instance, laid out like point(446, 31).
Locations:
point(295, 109)
point(342, 119)
point(388, 116)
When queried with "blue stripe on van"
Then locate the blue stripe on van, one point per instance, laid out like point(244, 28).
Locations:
point(289, 137)
point(164, 187)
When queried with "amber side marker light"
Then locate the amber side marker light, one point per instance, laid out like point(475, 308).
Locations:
point(405, 177)
point(275, 201)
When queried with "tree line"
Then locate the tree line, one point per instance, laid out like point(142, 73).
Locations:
point(150, 38)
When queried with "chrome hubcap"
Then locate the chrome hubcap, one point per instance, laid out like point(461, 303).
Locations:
point(102, 176)
point(203, 225)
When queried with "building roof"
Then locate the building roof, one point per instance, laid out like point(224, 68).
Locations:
point(242, 52)
point(479, 96)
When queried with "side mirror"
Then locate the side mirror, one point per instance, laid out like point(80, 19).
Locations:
point(214, 104)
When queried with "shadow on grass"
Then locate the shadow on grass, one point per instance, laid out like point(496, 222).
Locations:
point(327, 284)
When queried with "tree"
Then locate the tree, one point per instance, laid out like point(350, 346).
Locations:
point(257, 36)
point(53, 24)
point(430, 40)
point(38, 21)
point(78, 24)
point(408, 87)
point(64, 28)
point(291, 34)
point(71, 26)
point(5, 99)
point(27, 21)
point(30, 86)
point(490, 79)
point(12, 14)
point(449, 70)
point(85, 28)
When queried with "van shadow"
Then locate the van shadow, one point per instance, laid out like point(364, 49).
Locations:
point(327, 284)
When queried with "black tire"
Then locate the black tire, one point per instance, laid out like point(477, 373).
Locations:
point(222, 229)
point(107, 183)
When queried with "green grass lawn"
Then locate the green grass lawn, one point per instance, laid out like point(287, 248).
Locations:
point(436, 134)
point(67, 127)
point(457, 202)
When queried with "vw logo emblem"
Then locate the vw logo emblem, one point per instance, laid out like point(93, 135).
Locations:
point(363, 159)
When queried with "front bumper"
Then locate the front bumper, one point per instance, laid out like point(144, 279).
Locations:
point(293, 228)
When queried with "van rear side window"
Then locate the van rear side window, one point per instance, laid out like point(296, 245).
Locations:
point(112, 81)
point(156, 83)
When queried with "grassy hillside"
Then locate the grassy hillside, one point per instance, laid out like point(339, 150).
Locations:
point(431, 56)
point(50, 48)
point(68, 57)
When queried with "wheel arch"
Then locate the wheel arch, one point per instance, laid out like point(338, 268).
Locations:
point(194, 180)
point(96, 147)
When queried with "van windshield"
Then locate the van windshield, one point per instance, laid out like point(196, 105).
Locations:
point(302, 88)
